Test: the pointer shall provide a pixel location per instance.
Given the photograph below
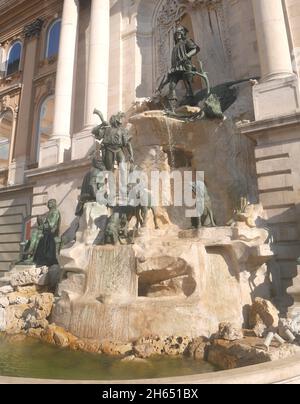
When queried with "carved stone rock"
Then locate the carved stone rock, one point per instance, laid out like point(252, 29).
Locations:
point(28, 275)
point(229, 332)
point(264, 312)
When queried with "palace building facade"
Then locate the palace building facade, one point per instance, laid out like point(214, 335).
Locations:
point(60, 59)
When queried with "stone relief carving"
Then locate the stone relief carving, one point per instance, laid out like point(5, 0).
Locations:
point(170, 12)
point(10, 102)
point(4, 103)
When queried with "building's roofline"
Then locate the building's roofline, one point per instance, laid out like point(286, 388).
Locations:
point(7, 5)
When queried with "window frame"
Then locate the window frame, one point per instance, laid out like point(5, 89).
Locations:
point(10, 141)
point(50, 27)
point(8, 56)
point(38, 126)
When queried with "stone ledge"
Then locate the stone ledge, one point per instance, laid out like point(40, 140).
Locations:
point(253, 128)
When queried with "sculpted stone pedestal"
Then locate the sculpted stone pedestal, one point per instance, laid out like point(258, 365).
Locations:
point(173, 281)
point(278, 92)
point(276, 98)
point(168, 283)
point(209, 146)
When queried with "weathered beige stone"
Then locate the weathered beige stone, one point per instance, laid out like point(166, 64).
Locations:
point(134, 359)
point(31, 322)
point(153, 346)
point(147, 347)
point(6, 289)
point(17, 298)
point(265, 311)
point(24, 313)
point(55, 335)
point(15, 318)
point(29, 290)
point(4, 302)
point(230, 355)
point(115, 348)
point(188, 110)
point(60, 339)
point(229, 333)
point(294, 292)
point(2, 320)
point(43, 304)
point(85, 345)
point(181, 285)
point(74, 283)
point(198, 349)
point(23, 276)
point(226, 355)
point(216, 142)
point(175, 346)
point(35, 333)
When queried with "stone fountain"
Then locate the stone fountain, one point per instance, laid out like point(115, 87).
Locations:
point(168, 276)
point(175, 280)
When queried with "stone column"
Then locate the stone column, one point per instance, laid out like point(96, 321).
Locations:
point(21, 142)
point(98, 62)
point(281, 98)
point(272, 39)
point(64, 78)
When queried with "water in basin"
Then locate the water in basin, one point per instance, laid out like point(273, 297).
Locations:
point(33, 359)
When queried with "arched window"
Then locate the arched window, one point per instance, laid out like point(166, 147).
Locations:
point(14, 58)
point(53, 39)
point(45, 123)
point(6, 126)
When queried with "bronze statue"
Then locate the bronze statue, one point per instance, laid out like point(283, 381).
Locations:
point(44, 245)
point(115, 140)
point(138, 206)
point(140, 202)
point(182, 68)
point(207, 219)
point(92, 182)
point(113, 228)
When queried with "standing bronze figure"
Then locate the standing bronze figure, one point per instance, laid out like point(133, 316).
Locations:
point(92, 182)
point(182, 68)
point(44, 245)
point(115, 140)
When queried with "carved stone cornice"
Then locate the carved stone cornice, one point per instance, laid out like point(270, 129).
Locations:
point(34, 29)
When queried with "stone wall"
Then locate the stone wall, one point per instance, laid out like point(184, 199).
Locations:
point(62, 184)
point(15, 207)
point(277, 155)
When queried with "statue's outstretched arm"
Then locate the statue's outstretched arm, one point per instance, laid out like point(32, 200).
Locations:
point(193, 48)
